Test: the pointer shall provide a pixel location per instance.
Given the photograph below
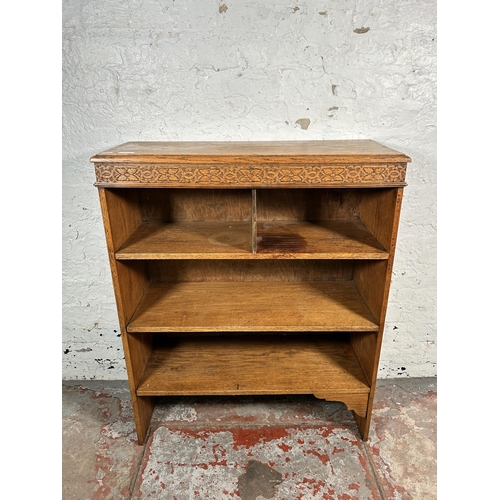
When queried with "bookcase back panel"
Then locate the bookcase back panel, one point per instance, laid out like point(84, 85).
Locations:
point(192, 205)
point(308, 204)
point(249, 270)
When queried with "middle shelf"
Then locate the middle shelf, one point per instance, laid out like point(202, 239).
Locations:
point(252, 306)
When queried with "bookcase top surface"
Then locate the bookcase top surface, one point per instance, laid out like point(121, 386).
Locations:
point(343, 151)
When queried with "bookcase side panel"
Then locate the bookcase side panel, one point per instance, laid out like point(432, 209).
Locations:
point(380, 212)
point(121, 214)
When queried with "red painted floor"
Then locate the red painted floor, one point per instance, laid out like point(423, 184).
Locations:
point(249, 448)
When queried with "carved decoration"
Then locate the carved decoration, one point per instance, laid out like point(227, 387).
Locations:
point(282, 174)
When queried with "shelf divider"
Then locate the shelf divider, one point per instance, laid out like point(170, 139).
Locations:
point(254, 221)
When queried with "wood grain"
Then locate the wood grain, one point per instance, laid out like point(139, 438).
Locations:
point(344, 239)
point(374, 281)
point(121, 214)
point(339, 239)
point(365, 347)
point(308, 204)
point(244, 270)
point(377, 211)
point(253, 365)
point(254, 221)
point(188, 240)
point(252, 306)
point(195, 205)
point(251, 164)
point(340, 151)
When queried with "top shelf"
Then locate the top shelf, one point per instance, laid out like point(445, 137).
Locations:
point(339, 239)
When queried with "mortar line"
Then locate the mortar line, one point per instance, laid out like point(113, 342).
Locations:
point(374, 471)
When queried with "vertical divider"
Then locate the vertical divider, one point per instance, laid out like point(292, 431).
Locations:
point(254, 221)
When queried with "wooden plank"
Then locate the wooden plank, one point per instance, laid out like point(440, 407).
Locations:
point(121, 214)
point(377, 211)
point(252, 306)
point(340, 151)
point(340, 239)
point(345, 239)
point(188, 240)
point(243, 270)
point(308, 204)
point(196, 205)
point(373, 281)
point(253, 365)
point(365, 347)
point(254, 221)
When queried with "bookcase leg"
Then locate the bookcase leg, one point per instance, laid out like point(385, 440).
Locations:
point(143, 410)
point(363, 424)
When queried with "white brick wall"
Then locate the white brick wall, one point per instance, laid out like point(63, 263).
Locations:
point(247, 70)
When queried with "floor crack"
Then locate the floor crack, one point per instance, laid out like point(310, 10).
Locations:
point(135, 475)
point(374, 471)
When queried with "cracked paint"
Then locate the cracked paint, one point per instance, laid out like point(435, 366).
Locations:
point(299, 463)
point(291, 436)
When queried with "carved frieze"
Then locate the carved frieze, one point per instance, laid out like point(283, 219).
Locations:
point(243, 175)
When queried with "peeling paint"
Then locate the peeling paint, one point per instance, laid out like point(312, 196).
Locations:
point(285, 463)
point(101, 458)
point(332, 112)
point(303, 123)
point(360, 31)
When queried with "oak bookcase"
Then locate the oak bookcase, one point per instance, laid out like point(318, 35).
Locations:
point(244, 268)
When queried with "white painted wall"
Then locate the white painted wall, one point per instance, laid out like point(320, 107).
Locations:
point(247, 70)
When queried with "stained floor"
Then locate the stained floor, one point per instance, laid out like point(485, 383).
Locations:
point(249, 448)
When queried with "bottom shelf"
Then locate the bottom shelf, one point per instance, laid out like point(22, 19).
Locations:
point(293, 364)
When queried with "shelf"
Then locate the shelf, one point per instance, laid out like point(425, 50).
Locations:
point(256, 365)
point(339, 239)
point(188, 240)
point(252, 306)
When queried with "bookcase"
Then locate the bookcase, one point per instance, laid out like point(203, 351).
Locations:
point(246, 268)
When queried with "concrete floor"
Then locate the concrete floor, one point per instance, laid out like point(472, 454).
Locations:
point(251, 448)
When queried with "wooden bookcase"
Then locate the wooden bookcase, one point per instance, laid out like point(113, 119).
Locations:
point(245, 268)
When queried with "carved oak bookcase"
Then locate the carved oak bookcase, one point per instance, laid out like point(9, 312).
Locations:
point(244, 268)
